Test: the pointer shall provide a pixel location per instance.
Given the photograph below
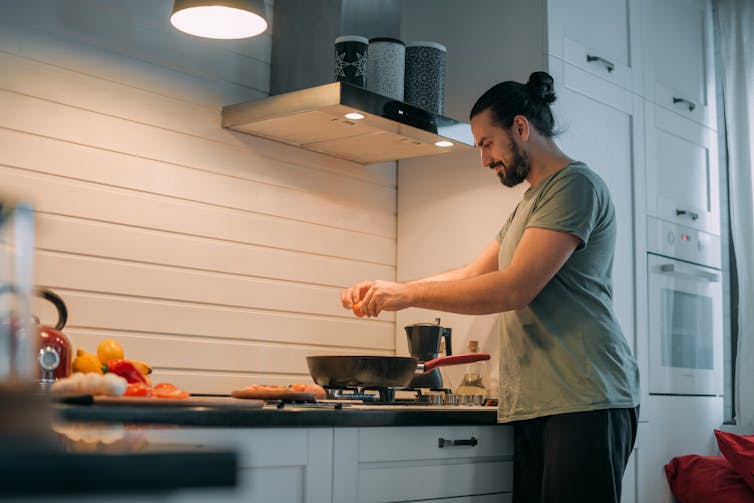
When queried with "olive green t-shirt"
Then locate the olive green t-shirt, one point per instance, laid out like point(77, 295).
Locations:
point(565, 351)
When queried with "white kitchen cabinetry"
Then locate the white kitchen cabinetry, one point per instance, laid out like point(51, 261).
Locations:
point(407, 464)
point(600, 127)
point(682, 171)
point(275, 464)
point(678, 58)
point(598, 36)
point(349, 465)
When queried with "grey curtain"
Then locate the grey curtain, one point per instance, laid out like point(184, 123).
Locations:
point(736, 28)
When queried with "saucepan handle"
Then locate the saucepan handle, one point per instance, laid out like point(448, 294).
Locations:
point(444, 361)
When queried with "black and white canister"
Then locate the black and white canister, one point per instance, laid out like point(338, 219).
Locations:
point(425, 76)
point(351, 59)
point(386, 67)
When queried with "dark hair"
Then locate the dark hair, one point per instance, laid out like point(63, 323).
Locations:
point(532, 100)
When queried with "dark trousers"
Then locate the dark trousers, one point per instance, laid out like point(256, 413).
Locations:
point(578, 457)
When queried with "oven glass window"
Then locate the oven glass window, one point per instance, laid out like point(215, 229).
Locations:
point(686, 330)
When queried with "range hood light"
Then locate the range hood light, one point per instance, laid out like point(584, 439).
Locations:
point(443, 143)
point(354, 116)
point(222, 19)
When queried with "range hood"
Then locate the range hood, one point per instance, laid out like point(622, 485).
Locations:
point(349, 122)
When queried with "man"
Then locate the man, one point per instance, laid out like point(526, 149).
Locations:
point(568, 382)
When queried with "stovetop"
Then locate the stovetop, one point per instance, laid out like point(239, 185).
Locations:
point(382, 395)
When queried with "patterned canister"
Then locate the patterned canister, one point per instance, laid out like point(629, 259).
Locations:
point(425, 76)
point(351, 59)
point(386, 67)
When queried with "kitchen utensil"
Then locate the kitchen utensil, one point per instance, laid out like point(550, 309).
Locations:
point(377, 371)
point(424, 344)
point(55, 348)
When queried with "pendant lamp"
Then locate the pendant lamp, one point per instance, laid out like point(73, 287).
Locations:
point(226, 19)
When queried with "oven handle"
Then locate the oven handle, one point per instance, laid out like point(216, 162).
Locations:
point(712, 277)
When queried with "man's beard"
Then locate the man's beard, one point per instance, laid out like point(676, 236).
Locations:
point(518, 169)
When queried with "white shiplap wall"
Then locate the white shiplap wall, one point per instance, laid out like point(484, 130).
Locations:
point(215, 256)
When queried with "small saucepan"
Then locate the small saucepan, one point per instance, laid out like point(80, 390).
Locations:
point(378, 371)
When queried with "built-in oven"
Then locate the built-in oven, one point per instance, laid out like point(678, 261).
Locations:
point(685, 301)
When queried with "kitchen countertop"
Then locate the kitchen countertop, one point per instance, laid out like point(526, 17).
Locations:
point(291, 415)
point(30, 472)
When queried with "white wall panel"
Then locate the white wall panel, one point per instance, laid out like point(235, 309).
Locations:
point(215, 256)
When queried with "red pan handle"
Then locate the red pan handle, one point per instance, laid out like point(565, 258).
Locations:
point(453, 360)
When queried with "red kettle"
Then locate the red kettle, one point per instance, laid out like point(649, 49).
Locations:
point(55, 350)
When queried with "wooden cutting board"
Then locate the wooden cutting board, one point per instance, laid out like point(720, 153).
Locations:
point(273, 394)
point(192, 401)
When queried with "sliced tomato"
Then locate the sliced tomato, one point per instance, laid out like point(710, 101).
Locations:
point(167, 390)
point(138, 389)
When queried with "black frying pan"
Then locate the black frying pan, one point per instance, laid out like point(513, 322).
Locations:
point(373, 371)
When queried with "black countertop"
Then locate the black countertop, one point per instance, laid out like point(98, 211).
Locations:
point(49, 471)
point(288, 416)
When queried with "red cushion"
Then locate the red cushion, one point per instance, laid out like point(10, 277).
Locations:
point(704, 479)
point(739, 451)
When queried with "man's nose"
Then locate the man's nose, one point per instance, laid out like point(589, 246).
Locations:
point(486, 160)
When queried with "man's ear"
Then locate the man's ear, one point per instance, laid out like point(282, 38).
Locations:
point(521, 127)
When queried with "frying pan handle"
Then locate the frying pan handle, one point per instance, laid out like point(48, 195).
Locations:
point(444, 361)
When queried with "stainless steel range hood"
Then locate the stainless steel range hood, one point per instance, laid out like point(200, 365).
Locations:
point(321, 119)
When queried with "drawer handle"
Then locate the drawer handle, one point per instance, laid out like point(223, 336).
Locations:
point(691, 214)
point(690, 103)
point(446, 442)
point(609, 64)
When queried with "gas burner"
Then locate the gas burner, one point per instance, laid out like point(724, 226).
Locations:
point(384, 395)
point(380, 394)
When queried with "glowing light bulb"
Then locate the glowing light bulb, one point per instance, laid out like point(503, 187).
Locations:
point(354, 116)
point(444, 143)
point(215, 21)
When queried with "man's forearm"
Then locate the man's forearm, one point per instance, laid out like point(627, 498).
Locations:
point(485, 294)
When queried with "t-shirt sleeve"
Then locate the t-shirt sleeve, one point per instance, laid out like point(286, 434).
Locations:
point(570, 204)
point(504, 228)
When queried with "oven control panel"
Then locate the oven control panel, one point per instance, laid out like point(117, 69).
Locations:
point(684, 243)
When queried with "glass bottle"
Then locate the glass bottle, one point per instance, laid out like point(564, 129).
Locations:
point(472, 378)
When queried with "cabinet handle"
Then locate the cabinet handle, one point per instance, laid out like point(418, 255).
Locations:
point(445, 442)
point(609, 64)
point(690, 103)
point(692, 214)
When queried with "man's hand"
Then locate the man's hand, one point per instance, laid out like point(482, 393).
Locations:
point(385, 296)
point(351, 297)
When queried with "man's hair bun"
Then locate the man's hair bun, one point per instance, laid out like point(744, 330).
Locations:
point(541, 87)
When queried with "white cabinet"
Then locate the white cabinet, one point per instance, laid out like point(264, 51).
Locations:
point(275, 464)
point(408, 464)
point(682, 171)
point(598, 36)
point(600, 127)
point(678, 57)
point(349, 465)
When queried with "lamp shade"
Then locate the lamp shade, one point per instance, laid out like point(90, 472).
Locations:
point(226, 19)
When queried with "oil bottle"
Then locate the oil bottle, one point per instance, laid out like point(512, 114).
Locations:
point(472, 378)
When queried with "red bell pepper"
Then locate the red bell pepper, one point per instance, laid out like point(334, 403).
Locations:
point(125, 369)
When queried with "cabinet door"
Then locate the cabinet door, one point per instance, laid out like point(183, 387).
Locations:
point(682, 171)
point(384, 464)
point(599, 128)
point(293, 464)
point(678, 57)
point(598, 36)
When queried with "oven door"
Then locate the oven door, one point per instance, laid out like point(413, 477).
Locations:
point(685, 328)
